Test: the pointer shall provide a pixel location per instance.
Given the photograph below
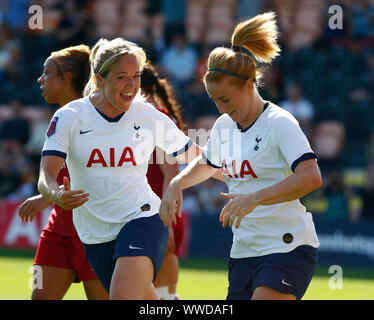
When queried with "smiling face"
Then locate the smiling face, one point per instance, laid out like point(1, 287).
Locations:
point(121, 85)
point(50, 82)
point(230, 99)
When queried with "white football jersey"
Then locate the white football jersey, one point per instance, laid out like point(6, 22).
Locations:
point(108, 158)
point(255, 158)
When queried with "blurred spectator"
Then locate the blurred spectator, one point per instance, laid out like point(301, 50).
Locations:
point(15, 173)
point(179, 60)
point(362, 19)
point(370, 67)
point(299, 106)
point(368, 191)
point(175, 14)
point(134, 22)
point(15, 13)
point(358, 111)
point(152, 47)
point(72, 28)
point(327, 141)
point(271, 81)
point(220, 20)
point(368, 195)
point(9, 54)
point(358, 94)
point(338, 196)
point(249, 8)
point(106, 19)
point(154, 41)
point(195, 21)
point(16, 129)
point(36, 141)
point(10, 176)
point(194, 98)
point(301, 21)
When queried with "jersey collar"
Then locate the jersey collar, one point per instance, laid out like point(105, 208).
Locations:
point(109, 119)
point(251, 125)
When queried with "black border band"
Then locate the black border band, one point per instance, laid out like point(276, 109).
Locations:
point(54, 153)
point(305, 156)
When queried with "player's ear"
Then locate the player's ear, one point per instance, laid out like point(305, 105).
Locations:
point(67, 76)
point(250, 84)
point(99, 80)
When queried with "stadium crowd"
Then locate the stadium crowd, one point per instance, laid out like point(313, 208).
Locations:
point(323, 77)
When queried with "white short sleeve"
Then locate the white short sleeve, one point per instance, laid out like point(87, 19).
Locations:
point(57, 137)
point(211, 151)
point(169, 137)
point(291, 140)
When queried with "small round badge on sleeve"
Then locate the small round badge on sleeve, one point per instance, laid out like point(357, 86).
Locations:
point(146, 207)
point(287, 237)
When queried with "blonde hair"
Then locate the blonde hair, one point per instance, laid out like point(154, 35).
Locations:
point(105, 54)
point(257, 36)
point(75, 60)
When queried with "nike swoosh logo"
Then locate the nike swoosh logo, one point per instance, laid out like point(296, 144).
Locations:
point(285, 283)
point(83, 132)
point(136, 248)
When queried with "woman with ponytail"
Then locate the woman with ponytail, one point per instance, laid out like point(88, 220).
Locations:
point(268, 166)
point(107, 138)
point(60, 258)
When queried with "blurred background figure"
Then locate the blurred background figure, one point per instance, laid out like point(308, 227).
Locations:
point(300, 107)
point(9, 54)
point(16, 128)
point(178, 61)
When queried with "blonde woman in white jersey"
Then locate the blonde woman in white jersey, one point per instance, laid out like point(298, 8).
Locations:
point(268, 166)
point(107, 138)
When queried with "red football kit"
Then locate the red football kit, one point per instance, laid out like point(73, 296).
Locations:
point(59, 244)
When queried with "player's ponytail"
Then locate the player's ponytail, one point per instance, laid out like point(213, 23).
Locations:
point(92, 82)
point(253, 41)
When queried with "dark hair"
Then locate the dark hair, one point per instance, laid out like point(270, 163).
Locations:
point(75, 60)
point(154, 86)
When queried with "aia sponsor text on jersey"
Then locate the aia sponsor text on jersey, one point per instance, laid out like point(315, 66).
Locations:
point(108, 159)
point(245, 169)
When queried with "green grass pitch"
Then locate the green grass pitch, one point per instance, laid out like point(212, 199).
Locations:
point(199, 279)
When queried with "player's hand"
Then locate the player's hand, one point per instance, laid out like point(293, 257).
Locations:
point(237, 208)
point(70, 199)
point(171, 204)
point(31, 206)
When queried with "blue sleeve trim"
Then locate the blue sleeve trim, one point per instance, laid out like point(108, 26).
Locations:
point(209, 162)
point(183, 150)
point(54, 153)
point(305, 156)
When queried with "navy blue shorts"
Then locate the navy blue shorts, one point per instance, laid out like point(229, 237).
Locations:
point(289, 272)
point(139, 237)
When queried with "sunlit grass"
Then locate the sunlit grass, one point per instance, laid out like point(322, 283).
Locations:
point(194, 283)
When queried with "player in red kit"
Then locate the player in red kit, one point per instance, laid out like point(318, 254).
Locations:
point(60, 253)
